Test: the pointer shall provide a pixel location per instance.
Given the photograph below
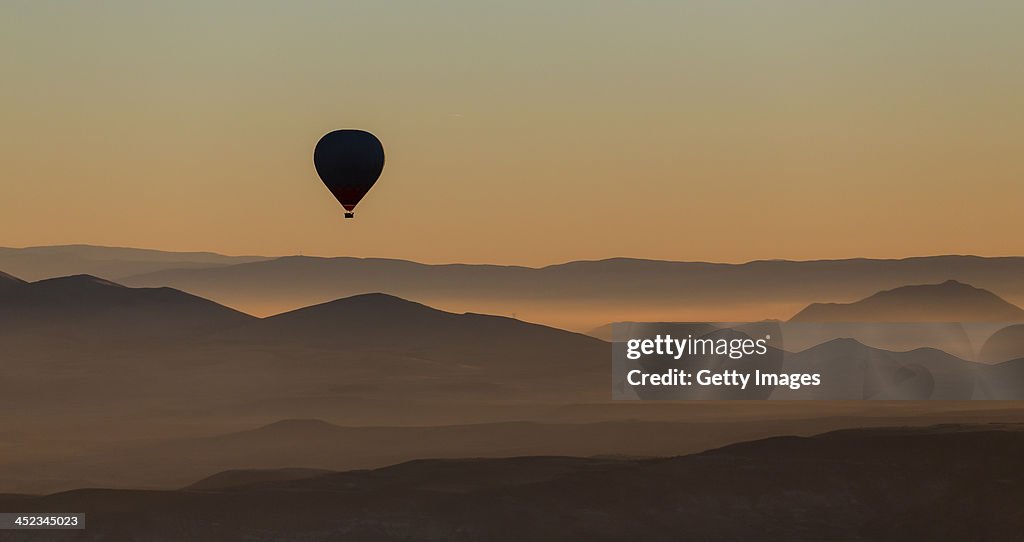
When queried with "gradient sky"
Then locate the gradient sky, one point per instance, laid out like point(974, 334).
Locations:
point(531, 132)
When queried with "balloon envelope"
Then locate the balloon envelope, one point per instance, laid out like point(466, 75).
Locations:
point(349, 162)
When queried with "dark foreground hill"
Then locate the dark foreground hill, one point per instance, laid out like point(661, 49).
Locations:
point(9, 282)
point(84, 349)
point(277, 449)
point(247, 477)
point(89, 308)
point(938, 483)
point(385, 323)
point(311, 443)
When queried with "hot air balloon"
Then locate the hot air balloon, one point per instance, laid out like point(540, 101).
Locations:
point(349, 163)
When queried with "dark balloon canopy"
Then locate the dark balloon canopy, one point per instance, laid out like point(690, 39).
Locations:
point(349, 162)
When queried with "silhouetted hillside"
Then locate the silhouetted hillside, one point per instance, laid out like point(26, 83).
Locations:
point(169, 463)
point(582, 295)
point(441, 475)
point(387, 323)
point(88, 307)
point(80, 348)
point(950, 301)
point(940, 483)
point(371, 317)
point(8, 282)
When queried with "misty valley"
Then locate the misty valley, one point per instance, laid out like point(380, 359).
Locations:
point(346, 414)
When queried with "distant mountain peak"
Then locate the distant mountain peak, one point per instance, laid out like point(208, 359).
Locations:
point(949, 301)
point(86, 307)
point(78, 281)
point(845, 344)
point(950, 285)
point(366, 305)
point(377, 297)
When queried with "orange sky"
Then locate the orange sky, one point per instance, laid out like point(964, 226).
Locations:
point(529, 134)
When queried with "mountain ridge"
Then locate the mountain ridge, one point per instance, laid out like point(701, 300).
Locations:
point(949, 301)
point(584, 294)
point(515, 498)
point(84, 305)
point(114, 263)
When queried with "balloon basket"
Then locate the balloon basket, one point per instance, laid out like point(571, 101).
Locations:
point(350, 215)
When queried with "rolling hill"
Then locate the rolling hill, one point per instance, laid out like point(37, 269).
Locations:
point(249, 477)
point(585, 294)
point(279, 448)
point(574, 295)
point(82, 347)
point(94, 309)
point(950, 301)
point(952, 482)
point(382, 322)
point(8, 282)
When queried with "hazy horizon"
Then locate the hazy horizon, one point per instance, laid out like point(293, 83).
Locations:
point(527, 133)
point(538, 265)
